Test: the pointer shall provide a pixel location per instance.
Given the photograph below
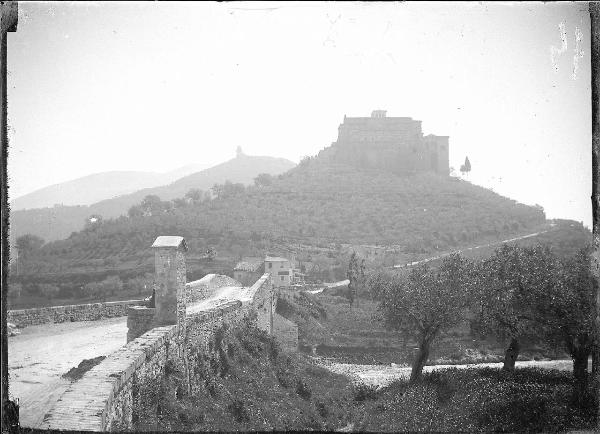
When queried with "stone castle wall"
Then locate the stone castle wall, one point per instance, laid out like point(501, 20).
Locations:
point(394, 144)
point(70, 313)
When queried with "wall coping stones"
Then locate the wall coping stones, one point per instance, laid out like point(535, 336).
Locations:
point(70, 312)
point(77, 306)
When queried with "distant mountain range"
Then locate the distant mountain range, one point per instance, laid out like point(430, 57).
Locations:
point(58, 222)
point(99, 186)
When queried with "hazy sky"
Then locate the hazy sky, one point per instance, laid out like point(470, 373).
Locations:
point(153, 86)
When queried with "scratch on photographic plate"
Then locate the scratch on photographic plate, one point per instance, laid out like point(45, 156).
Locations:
point(554, 52)
point(578, 51)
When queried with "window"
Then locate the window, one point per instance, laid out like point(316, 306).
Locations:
point(282, 278)
point(270, 265)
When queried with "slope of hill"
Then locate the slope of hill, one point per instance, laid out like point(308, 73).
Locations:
point(99, 186)
point(242, 169)
point(60, 221)
point(315, 203)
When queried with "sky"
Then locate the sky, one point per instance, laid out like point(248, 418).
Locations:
point(153, 86)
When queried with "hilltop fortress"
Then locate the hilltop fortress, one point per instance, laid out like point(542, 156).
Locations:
point(395, 144)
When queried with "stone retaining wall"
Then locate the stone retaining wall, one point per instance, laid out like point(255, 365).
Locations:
point(70, 313)
point(116, 392)
point(286, 333)
point(139, 321)
point(123, 387)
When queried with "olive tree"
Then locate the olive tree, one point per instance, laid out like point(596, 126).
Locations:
point(29, 243)
point(49, 291)
point(112, 285)
point(356, 277)
point(509, 285)
point(568, 312)
point(425, 302)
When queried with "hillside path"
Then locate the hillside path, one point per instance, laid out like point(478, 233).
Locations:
point(497, 243)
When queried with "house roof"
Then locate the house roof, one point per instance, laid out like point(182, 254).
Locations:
point(275, 259)
point(249, 264)
point(170, 241)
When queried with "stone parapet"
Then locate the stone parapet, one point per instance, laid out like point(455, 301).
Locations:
point(140, 319)
point(103, 398)
point(114, 393)
point(122, 388)
point(70, 313)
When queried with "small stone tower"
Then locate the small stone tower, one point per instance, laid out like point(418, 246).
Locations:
point(170, 280)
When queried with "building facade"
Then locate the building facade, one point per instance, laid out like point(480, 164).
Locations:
point(281, 269)
point(395, 144)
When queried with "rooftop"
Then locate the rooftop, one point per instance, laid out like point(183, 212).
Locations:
point(170, 241)
point(275, 259)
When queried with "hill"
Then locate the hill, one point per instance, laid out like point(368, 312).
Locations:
point(314, 204)
point(98, 186)
point(59, 222)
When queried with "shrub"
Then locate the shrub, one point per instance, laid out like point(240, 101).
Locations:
point(322, 409)
point(303, 389)
point(362, 392)
point(238, 409)
point(284, 371)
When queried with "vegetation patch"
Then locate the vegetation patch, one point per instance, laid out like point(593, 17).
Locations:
point(475, 400)
point(85, 365)
point(262, 389)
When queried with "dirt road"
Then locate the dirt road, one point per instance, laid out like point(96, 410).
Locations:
point(382, 375)
point(41, 354)
point(468, 249)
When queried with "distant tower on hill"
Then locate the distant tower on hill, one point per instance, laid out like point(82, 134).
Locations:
point(394, 144)
point(238, 151)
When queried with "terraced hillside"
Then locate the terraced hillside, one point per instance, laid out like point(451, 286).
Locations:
point(316, 204)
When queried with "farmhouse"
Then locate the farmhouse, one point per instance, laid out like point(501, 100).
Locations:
point(281, 270)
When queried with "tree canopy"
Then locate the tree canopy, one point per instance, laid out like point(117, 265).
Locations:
point(29, 243)
point(425, 302)
point(509, 284)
